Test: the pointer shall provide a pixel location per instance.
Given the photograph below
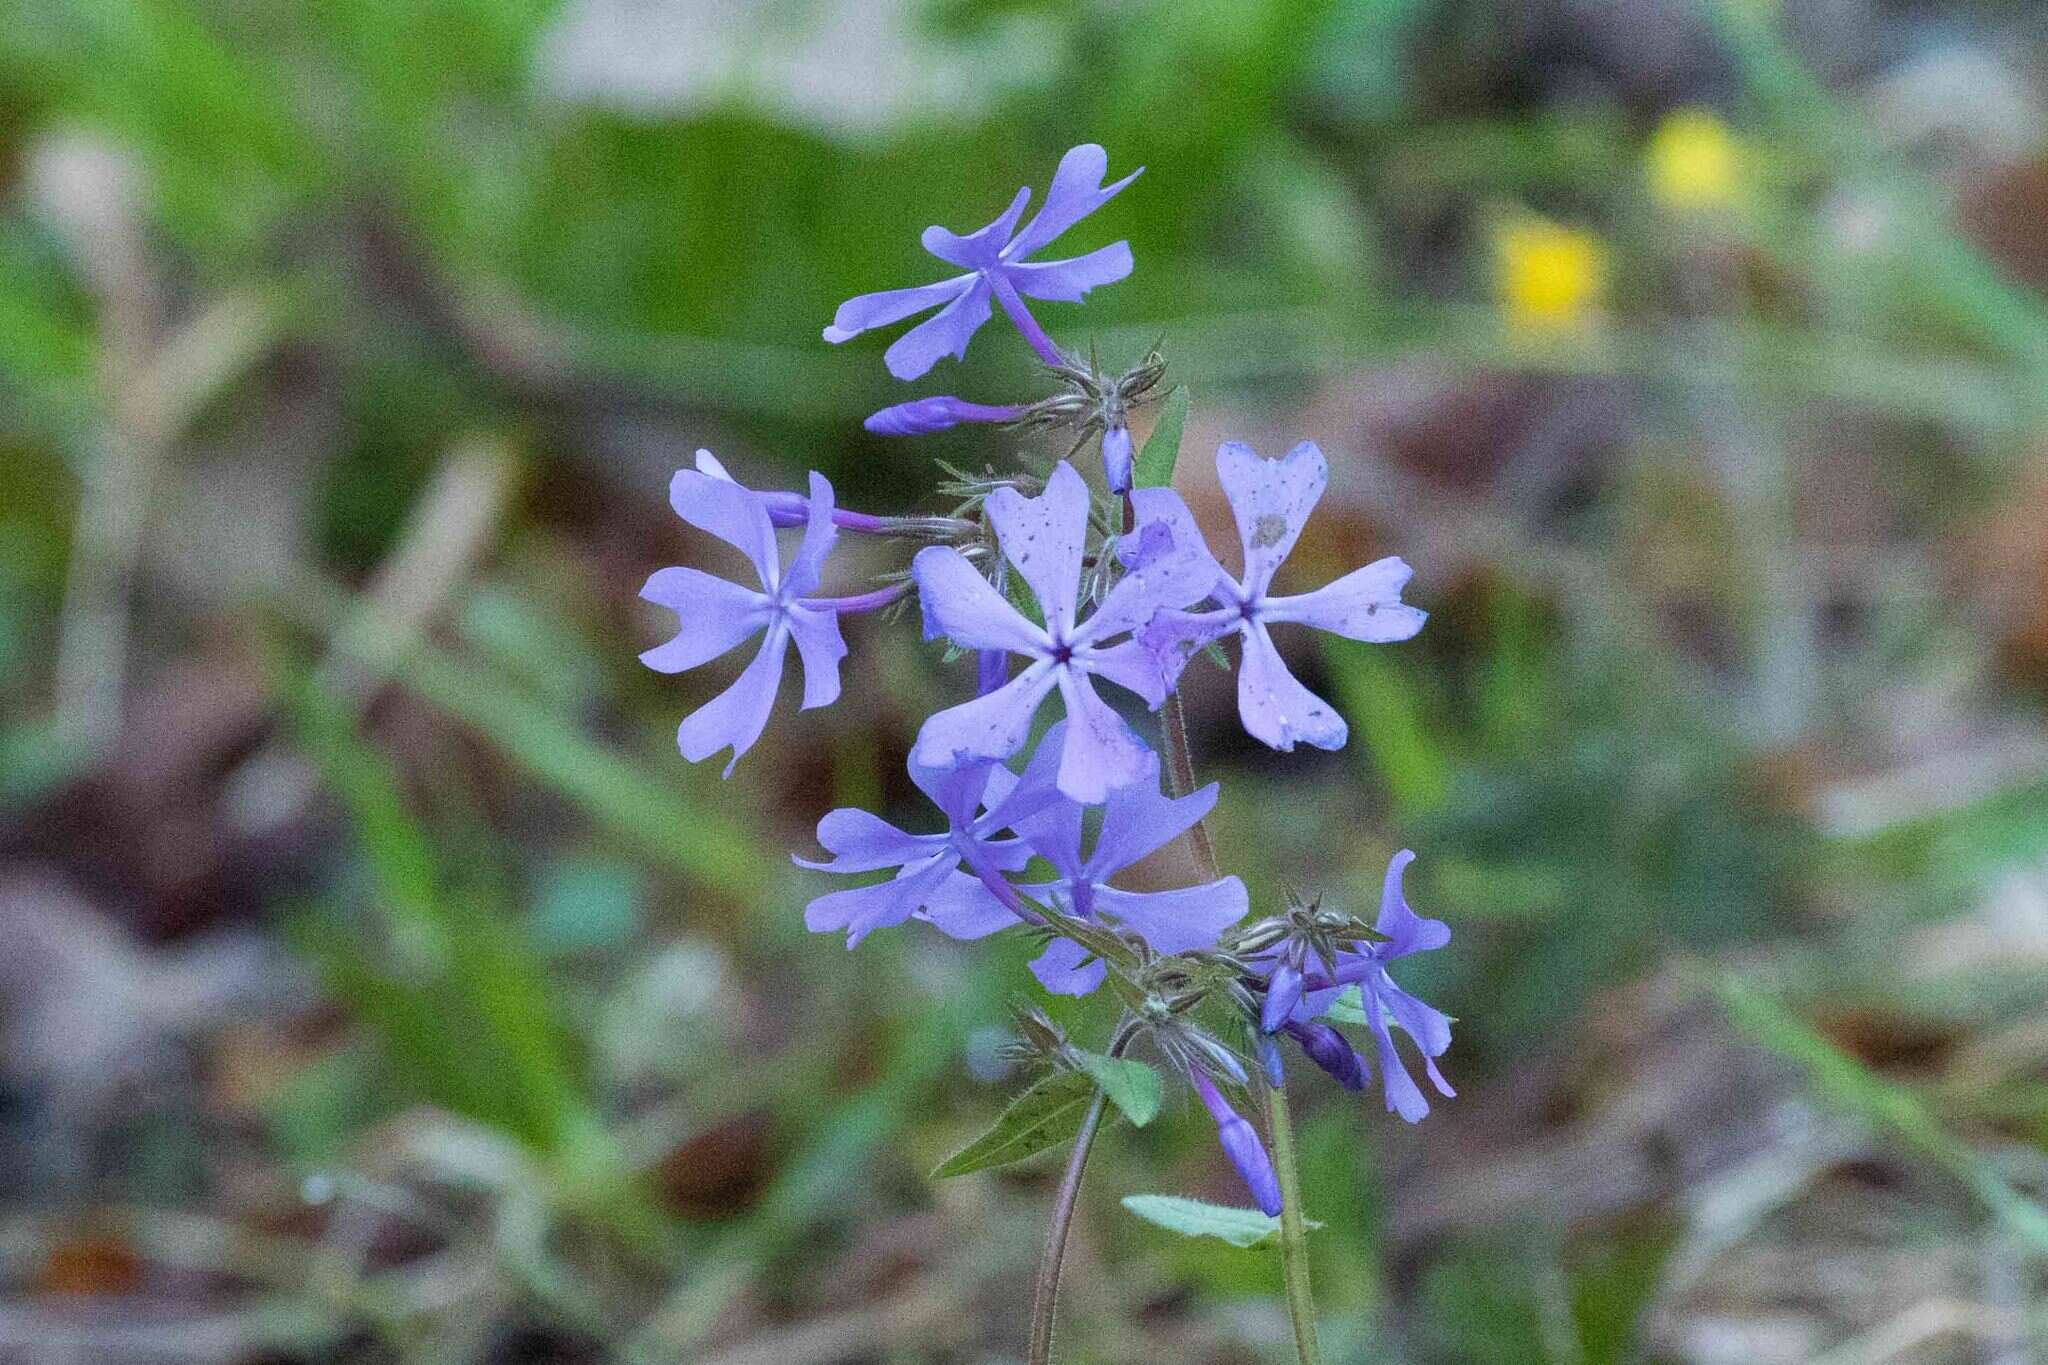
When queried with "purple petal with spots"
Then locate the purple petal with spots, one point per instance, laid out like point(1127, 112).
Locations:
point(1102, 753)
point(1271, 500)
point(1364, 604)
point(994, 726)
point(1045, 537)
point(1274, 706)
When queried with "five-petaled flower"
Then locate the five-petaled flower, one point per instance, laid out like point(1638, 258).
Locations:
point(1137, 821)
point(1385, 1004)
point(998, 269)
point(715, 615)
point(1272, 500)
point(979, 800)
point(1046, 538)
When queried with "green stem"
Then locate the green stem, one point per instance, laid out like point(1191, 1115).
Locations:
point(1045, 1296)
point(1301, 1304)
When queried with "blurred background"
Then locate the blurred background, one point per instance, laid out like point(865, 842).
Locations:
point(380, 986)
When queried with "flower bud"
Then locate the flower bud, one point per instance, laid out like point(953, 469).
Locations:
point(1329, 1050)
point(922, 416)
point(1116, 458)
point(1241, 1144)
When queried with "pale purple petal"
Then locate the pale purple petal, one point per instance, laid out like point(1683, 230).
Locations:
point(945, 333)
point(1130, 665)
point(1076, 191)
point(1138, 820)
point(1428, 1026)
point(715, 616)
point(1170, 574)
point(822, 647)
point(738, 715)
point(801, 579)
point(1179, 920)
point(1283, 994)
point(1272, 500)
point(982, 247)
point(736, 516)
point(1364, 604)
point(1054, 834)
point(861, 841)
point(955, 788)
point(1275, 707)
point(1045, 538)
point(962, 907)
point(1174, 637)
point(1036, 790)
point(1069, 281)
point(857, 315)
point(994, 726)
point(1406, 931)
point(965, 608)
point(1065, 968)
point(1101, 752)
point(1163, 506)
point(861, 910)
point(1403, 1096)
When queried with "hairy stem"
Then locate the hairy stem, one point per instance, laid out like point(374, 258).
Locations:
point(1045, 1294)
point(1301, 1307)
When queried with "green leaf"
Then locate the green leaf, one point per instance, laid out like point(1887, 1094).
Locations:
point(1162, 447)
point(1044, 1116)
point(1194, 1218)
point(1347, 1008)
point(1132, 1086)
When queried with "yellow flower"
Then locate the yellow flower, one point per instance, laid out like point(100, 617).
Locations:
point(1694, 161)
point(1550, 277)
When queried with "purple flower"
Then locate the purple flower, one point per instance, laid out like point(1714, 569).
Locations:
point(922, 416)
point(1045, 537)
point(997, 268)
point(716, 615)
point(1272, 499)
point(1386, 1005)
point(1241, 1144)
point(929, 883)
point(1137, 821)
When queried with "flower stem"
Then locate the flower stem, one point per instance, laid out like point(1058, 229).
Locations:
point(1301, 1306)
point(1046, 1292)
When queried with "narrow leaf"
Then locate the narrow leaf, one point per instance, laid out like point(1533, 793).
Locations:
point(1194, 1218)
point(1132, 1086)
point(1044, 1116)
point(1162, 447)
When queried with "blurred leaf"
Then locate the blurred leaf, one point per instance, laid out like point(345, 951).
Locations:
point(1131, 1085)
point(1846, 1083)
point(1162, 447)
point(1384, 703)
point(1044, 1116)
point(1348, 1008)
point(1246, 1228)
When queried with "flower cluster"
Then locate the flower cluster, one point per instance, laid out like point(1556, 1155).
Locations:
point(1045, 791)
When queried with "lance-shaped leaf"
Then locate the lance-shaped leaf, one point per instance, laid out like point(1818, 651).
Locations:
point(1194, 1218)
point(1131, 1085)
point(1044, 1116)
point(1162, 447)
